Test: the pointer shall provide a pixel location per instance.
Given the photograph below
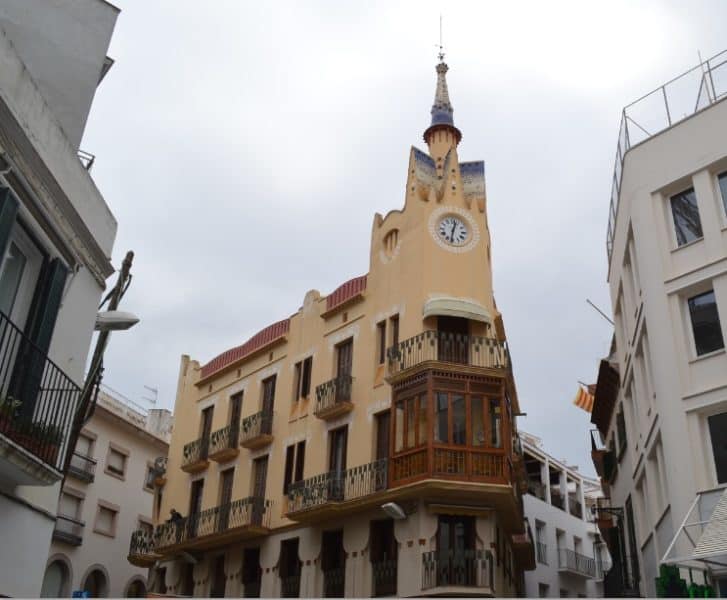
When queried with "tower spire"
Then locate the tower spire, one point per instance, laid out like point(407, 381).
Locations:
point(441, 135)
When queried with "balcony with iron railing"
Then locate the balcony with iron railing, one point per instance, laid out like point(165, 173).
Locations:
point(160, 470)
point(234, 522)
point(256, 431)
point(38, 402)
point(195, 455)
point(456, 572)
point(331, 492)
point(431, 348)
point(68, 530)
point(82, 467)
point(224, 443)
point(572, 562)
point(333, 398)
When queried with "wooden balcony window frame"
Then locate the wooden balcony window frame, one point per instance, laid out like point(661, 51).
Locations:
point(428, 386)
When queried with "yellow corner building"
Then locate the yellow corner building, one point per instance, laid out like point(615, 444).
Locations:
point(366, 445)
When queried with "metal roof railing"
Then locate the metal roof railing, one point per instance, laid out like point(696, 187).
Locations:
point(667, 105)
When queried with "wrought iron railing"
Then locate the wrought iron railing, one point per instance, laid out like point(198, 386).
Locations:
point(448, 347)
point(658, 110)
point(82, 467)
point(385, 573)
point(225, 438)
point(290, 586)
point(251, 511)
point(251, 589)
point(69, 530)
point(573, 561)
point(467, 568)
point(541, 553)
point(38, 400)
point(338, 486)
point(333, 392)
point(334, 582)
point(195, 451)
point(261, 423)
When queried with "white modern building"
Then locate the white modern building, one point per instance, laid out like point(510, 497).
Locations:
point(570, 556)
point(661, 397)
point(109, 493)
point(56, 237)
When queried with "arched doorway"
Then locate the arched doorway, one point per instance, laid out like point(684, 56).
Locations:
point(136, 589)
point(55, 580)
point(96, 584)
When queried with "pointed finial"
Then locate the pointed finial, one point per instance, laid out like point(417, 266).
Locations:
point(441, 42)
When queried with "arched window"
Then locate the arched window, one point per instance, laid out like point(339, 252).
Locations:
point(55, 580)
point(135, 589)
point(96, 584)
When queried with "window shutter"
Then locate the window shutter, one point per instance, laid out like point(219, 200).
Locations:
point(289, 452)
point(44, 320)
point(83, 445)
point(8, 212)
point(299, 461)
point(105, 519)
point(116, 461)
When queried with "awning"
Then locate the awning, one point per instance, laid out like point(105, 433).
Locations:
point(701, 539)
point(447, 306)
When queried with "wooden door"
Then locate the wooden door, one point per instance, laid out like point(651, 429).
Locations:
point(195, 507)
point(235, 413)
point(337, 463)
point(260, 477)
point(453, 340)
point(344, 363)
point(206, 428)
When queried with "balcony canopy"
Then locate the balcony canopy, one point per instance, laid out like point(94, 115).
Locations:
point(448, 306)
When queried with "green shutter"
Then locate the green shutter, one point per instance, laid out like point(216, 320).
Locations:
point(8, 212)
point(50, 302)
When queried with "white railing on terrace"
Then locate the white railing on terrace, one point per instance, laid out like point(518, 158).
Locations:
point(658, 110)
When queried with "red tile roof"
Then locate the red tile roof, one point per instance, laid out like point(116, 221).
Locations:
point(343, 293)
point(261, 339)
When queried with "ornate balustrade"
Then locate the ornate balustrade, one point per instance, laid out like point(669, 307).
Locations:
point(333, 398)
point(194, 455)
point(256, 430)
point(224, 443)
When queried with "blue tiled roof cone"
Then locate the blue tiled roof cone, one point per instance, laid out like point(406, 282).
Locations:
point(442, 111)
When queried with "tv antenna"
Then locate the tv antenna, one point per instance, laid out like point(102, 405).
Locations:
point(154, 392)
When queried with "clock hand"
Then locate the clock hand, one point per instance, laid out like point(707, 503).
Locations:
point(451, 233)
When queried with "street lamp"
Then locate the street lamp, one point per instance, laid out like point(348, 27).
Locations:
point(115, 320)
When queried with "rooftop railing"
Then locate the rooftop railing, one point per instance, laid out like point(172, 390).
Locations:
point(38, 400)
point(670, 103)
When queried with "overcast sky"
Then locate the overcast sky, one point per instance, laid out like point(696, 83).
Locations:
point(226, 127)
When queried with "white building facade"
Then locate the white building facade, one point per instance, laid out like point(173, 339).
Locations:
point(661, 398)
point(109, 493)
point(56, 237)
point(570, 556)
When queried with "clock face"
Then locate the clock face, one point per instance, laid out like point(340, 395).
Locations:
point(453, 230)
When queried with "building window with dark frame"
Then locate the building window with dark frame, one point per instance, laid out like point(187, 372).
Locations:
point(684, 210)
point(302, 379)
point(705, 323)
point(718, 436)
point(333, 564)
point(294, 464)
point(722, 184)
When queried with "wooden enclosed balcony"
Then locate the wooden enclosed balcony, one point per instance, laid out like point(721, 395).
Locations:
point(256, 430)
point(194, 455)
point(333, 398)
point(224, 443)
point(230, 523)
point(442, 349)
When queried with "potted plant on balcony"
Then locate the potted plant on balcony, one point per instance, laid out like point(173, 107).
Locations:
point(8, 410)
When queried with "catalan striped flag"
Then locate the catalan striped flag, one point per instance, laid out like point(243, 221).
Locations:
point(584, 397)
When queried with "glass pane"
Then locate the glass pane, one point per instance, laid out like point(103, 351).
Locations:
point(495, 423)
point(478, 422)
point(411, 423)
point(459, 420)
point(399, 427)
point(423, 419)
point(705, 323)
point(722, 180)
point(441, 419)
point(10, 274)
point(718, 434)
point(687, 225)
